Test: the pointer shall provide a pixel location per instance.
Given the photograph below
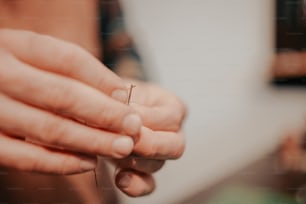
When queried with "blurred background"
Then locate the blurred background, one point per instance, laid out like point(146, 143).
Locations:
point(217, 55)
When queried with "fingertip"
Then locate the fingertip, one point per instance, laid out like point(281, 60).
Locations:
point(132, 124)
point(123, 179)
point(140, 164)
point(135, 184)
point(122, 147)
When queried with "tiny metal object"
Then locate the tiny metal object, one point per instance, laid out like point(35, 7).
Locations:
point(130, 93)
point(97, 186)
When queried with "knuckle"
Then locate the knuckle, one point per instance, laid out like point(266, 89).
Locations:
point(64, 167)
point(100, 83)
point(62, 98)
point(52, 131)
point(151, 151)
point(110, 119)
point(101, 144)
point(30, 164)
point(69, 53)
point(105, 121)
point(96, 147)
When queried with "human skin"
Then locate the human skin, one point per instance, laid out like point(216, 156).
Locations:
point(46, 100)
point(289, 64)
point(162, 115)
point(85, 103)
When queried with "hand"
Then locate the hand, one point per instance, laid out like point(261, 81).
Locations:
point(162, 114)
point(289, 64)
point(48, 90)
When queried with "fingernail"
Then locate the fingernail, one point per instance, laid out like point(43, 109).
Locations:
point(120, 95)
point(123, 146)
point(125, 180)
point(88, 164)
point(132, 124)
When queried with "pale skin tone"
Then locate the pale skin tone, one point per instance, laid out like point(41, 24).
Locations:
point(62, 105)
point(291, 64)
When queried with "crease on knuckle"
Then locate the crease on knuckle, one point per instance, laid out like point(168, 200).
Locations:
point(151, 151)
point(62, 98)
point(65, 166)
point(32, 163)
point(71, 54)
point(100, 83)
point(106, 118)
point(52, 131)
point(100, 145)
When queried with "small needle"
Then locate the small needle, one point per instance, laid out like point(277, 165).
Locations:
point(97, 186)
point(130, 93)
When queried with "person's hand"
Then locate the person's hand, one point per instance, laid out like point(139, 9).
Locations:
point(289, 64)
point(49, 90)
point(162, 114)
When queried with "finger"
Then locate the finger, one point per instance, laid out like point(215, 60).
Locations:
point(289, 64)
point(135, 184)
point(65, 96)
point(159, 109)
point(162, 117)
point(159, 144)
point(38, 125)
point(24, 156)
point(64, 58)
point(140, 164)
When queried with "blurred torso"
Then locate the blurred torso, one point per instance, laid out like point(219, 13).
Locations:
point(72, 20)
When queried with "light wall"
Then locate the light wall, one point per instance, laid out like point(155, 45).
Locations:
point(215, 54)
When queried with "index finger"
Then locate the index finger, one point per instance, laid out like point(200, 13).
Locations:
point(68, 59)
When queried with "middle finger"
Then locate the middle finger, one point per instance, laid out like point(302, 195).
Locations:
point(67, 97)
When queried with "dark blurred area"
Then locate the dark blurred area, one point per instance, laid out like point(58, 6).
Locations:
point(290, 25)
point(290, 43)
